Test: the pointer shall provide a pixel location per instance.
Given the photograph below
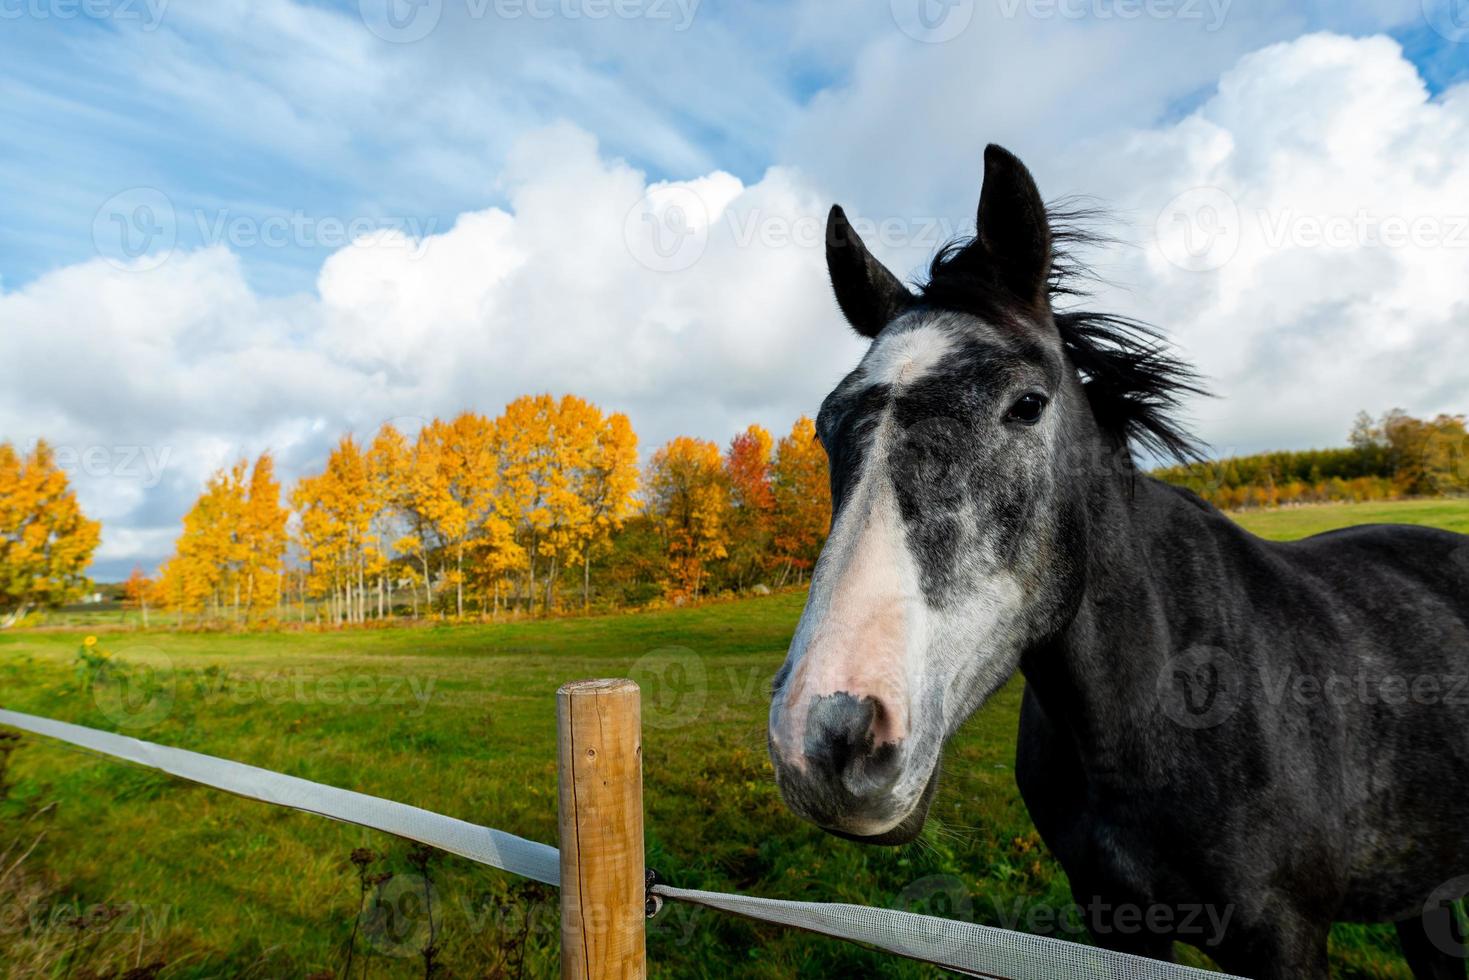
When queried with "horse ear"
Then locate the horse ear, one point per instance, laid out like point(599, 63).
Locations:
point(1012, 225)
point(868, 294)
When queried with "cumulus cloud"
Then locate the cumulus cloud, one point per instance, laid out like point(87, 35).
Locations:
point(661, 298)
point(905, 131)
point(1304, 234)
point(701, 305)
point(695, 306)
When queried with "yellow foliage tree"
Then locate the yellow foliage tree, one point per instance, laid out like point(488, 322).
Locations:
point(388, 459)
point(802, 491)
point(172, 591)
point(208, 552)
point(546, 447)
point(416, 488)
point(231, 554)
point(262, 534)
point(687, 497)
point(46, 542)
point(456, 487)
point(336, 512)
point(608, 484)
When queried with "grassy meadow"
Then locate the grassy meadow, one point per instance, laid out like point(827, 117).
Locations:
point(106, 868)
point(1289, 523)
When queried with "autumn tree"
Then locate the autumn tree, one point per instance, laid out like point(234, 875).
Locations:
point(417, 489)
point(336, 513)
point(231, 553)
point(607, 485)
point(687, 497)
point(318, 535)
point(458, 477)
point(46, 542)
point(388, 461)
point(208, 553)
point(802, 493)
point(1427, 456)
point(748, 467)
point(547, 447)
point(172, 590)
point(262, 534)
point(1422, 457)
point(138, 593)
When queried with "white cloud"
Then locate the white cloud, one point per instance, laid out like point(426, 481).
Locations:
point(186, 360)
point(1323, 191)
point(906, 130)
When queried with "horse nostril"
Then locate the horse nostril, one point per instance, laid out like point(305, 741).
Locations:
point(874, 774)
point(847, 738)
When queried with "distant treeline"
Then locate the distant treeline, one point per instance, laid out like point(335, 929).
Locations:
point(1387, 458)
point(541, 509)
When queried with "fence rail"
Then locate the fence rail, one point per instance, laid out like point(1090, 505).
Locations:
point(601, 859)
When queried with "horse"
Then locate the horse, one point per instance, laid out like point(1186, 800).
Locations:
point(1278, 732)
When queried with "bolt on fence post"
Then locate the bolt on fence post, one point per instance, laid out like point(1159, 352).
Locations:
point(600, 795)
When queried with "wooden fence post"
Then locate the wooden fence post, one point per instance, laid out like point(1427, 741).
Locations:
point(600, 795)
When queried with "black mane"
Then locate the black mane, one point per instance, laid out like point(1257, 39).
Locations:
point(1133, 381)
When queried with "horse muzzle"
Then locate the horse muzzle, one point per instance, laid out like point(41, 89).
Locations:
point(844, 775)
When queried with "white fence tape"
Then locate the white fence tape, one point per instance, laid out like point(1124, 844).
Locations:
point(493, 847)
point(978, 950)
point(982, 951)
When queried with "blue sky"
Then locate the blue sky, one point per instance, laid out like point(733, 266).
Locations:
point(81, 124)
point(187, 185)
point(91, 112)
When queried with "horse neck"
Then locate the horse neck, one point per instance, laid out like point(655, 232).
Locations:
point(1142, 601)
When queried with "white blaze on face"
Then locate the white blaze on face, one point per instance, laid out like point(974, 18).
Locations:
point(902, 358)
point(857, 630)
point(862, 632)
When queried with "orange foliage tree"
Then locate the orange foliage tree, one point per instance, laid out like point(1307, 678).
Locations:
point(138, 592)
point(750, 469)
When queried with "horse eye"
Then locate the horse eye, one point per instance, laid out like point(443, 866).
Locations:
point(1027, 411)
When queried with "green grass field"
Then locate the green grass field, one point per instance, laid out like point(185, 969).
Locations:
point(461, 719)
point(1289, 523)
